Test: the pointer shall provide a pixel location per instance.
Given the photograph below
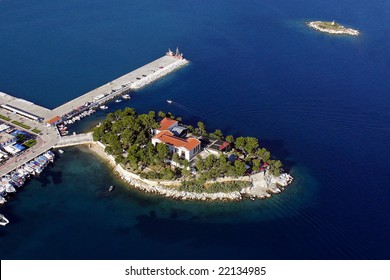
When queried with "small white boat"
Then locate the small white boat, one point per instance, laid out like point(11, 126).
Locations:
point(118, 100)
point(9, 188)
point(3, 193)
point(110, 188)
point(103, 107)
point(126, 96)
point(61, 151)
point(3, 220)
point(169, 101)
point(2, 200)
point(49, 156)
point(28, 169)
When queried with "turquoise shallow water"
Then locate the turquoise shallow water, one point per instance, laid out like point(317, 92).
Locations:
point(319, 103)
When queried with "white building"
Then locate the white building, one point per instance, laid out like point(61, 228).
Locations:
point(3, 127)
point(6, 139)
point(186, 148)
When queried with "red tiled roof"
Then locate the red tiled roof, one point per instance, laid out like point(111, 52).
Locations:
point(54, 120)
point(168, 138)
point(224, 145)
point(192, 143)
point(166, 123)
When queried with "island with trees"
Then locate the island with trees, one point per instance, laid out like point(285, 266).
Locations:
point(158, 153)
point(332, 27)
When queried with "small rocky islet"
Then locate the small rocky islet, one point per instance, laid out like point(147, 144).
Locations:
point(332, 27)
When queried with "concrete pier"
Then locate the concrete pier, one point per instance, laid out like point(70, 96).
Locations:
point(133, 80)
point(74, 140)
point(130, 81)
point(25, 105)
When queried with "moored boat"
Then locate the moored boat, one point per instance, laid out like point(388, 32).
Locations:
point(29, 169)
point(3, 220)
point(36, 166)
point(9, 188)
point(3, 192)
point(17, 177)
point(2, 200)
point(23, 172)
point(51, 153)
point(6, 185)
point(49, 156)
point(38, 170)
point(43, 161)
point(16, 181)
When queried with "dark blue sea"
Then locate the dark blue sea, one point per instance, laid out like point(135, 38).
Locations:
point(320, 103)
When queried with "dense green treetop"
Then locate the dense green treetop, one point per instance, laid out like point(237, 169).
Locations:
point(127, 137)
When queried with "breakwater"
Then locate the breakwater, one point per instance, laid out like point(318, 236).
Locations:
point(122, 85)
point(157, 74)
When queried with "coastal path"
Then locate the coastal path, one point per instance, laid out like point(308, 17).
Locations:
point(73, 140)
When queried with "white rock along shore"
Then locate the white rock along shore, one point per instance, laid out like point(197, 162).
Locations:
point(159, 73)
point(262, 184)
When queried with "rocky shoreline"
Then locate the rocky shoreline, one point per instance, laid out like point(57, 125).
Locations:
point(341, 30)
point(262, 186)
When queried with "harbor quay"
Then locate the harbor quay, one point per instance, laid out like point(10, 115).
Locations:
point(46, 139)
point(131, 81)
point(20, 113)
point(11, 103)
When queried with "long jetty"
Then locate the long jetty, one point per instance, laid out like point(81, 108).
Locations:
point(19, 112)
point(133, 80)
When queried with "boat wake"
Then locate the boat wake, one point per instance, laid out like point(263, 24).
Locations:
point(185, 108)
